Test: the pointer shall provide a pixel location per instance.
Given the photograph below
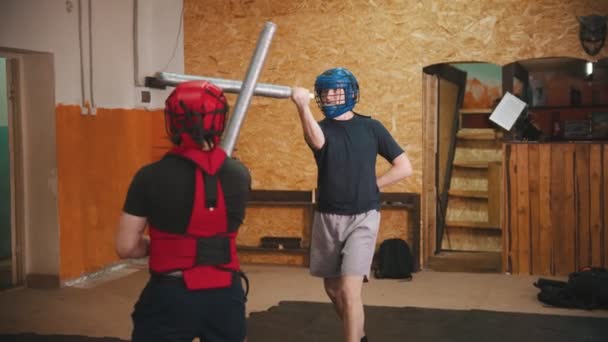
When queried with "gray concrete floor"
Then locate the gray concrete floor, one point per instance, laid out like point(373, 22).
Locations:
point(101, 306)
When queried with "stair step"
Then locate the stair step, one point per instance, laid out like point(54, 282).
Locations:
point(478, 134)
point(472, 225)
point(475, 111)
point(465, 261)
point(471, 164)
point(468, 193)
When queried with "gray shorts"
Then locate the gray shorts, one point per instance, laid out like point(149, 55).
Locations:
point(343, 244)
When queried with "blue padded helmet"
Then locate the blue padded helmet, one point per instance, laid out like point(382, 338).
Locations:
point(337, 78)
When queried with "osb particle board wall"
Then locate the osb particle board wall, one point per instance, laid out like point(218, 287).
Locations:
point(385, 43)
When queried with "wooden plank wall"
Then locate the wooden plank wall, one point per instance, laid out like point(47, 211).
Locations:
point(556, 198)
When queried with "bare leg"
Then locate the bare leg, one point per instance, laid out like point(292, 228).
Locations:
point(352, 314)
point(334, 292)
point(345, 294)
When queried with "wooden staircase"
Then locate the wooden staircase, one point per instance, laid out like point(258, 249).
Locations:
point(473, 210)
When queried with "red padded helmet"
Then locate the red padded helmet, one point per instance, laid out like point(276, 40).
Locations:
point(198, 109)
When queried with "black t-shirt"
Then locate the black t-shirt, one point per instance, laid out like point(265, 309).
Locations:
point(164, 193)
point(347, 164)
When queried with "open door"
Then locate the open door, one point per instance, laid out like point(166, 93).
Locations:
point(444, 93)
point(11, 258)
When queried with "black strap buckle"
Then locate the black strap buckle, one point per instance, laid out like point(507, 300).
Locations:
point(213, 250)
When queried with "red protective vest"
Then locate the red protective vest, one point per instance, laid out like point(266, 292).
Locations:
point(170, 252)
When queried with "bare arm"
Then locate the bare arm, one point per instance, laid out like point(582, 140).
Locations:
point(312, 132)
point(401, 169)
point(130, 239)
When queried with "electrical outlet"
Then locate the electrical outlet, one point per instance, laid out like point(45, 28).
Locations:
point(149, 99)
point(146, 96)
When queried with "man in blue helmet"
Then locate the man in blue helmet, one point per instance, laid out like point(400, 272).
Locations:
point(345, 146)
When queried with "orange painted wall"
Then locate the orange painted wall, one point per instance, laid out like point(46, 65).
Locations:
point(96, 156)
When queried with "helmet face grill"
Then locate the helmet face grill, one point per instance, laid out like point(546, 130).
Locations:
point(197, 109)
point(336, 92)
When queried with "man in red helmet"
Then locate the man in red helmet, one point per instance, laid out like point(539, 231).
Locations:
point(192, 201)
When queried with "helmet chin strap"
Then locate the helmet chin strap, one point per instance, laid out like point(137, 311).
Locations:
point(333, 111)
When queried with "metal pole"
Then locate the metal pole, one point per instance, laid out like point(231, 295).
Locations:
point(228, 86)
point(244, 98)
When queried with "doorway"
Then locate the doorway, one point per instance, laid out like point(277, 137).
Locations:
point(462, 167)
point(32, 176)
point(8, 258)
point(566, 100)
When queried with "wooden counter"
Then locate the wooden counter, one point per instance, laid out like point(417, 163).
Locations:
point(555, 201)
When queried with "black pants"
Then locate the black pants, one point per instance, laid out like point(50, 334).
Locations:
point(167, 311)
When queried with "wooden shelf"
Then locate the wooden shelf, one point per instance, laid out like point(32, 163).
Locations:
point(468, 194)
point(597, 106)
point(278, 204)
point(272, 250)
point(307, 200)
point(280, 197)
point(472, 225)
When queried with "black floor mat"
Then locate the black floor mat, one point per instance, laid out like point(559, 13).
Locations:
point(55, 338)
point(317, 322)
